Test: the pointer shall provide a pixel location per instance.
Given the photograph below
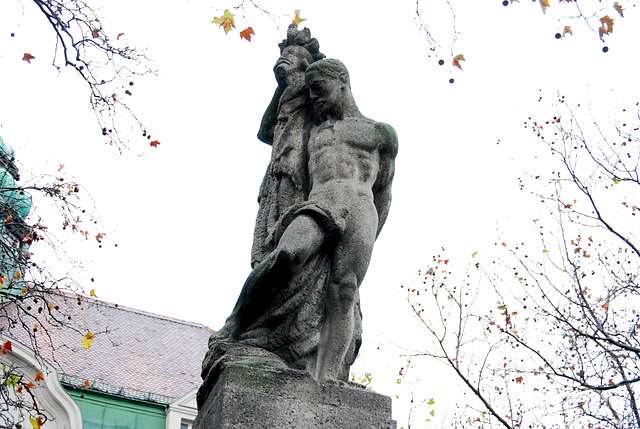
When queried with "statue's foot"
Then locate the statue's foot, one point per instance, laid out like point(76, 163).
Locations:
point(333, 382)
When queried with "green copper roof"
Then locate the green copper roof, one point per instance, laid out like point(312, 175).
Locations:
point(6, 149)
point(10, 192)
point(111, 412)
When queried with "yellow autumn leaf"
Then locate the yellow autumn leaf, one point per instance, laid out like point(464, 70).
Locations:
point(225, 21)
point(34, 423)
point(297, 20)
point(457, 59)
point(87, 340)
point(92, 292)
point(544, 4)
point(567, 30)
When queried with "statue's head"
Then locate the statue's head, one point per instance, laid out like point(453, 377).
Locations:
point(293, 58)
point(330, 88)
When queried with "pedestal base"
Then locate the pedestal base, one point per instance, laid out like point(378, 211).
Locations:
point(245, 397)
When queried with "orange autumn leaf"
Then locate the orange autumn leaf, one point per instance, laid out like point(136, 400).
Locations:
point(246, 33)
point(154, 143)
point(94, 33)
point(519, 380)
point(567, 30)
point(39, 377)
point(28, 57)
point(9, 219)
point(100, 236)
point(606, 26)
point(17, 275)
point(6, 347)
point(619, 8)
point(86, 384)
point(606, 306)
point(30, 385)
point(297, 20)
point(457, 59)
point(119, 34)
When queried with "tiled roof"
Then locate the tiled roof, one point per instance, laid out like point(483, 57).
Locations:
point(134, 353)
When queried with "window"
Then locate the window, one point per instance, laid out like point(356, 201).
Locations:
point(186, 425)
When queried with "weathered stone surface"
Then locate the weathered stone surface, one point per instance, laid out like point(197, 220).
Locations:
point(284, 353)
point(323, 201)
point(254, 392)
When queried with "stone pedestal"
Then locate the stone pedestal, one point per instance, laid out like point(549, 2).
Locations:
point(249, 397)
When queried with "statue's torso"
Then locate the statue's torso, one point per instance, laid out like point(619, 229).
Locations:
point(344, 163)
point(344, 151)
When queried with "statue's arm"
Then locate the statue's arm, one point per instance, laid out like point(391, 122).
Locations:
point(382, 187)
point(270, 117)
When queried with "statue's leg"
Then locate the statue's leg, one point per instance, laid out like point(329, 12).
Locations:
point(349, 266)
point(302, 239)
point(285, 196)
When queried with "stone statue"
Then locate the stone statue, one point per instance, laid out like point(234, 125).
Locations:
point(323, 202)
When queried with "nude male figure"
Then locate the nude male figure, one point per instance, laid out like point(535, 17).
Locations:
point(351, 166)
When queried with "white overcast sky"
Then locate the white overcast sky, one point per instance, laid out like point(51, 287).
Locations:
point(182, 214)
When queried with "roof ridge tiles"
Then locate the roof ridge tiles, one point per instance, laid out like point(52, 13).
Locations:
point(100, 302)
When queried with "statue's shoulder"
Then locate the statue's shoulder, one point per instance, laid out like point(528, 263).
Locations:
point(388, 136)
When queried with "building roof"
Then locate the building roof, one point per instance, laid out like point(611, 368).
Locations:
point(135, 354)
